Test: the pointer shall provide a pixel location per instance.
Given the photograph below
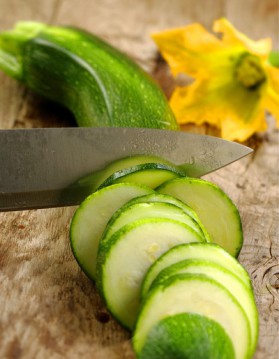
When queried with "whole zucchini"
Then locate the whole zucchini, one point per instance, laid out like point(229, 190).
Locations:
point(97, 83)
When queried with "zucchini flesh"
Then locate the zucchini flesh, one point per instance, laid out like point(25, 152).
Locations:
point(124, 258)
point(187, 335)
point(99, 84)
point(94, 180)
point(91, 217)
point(132, 212)
point(199, 294)
point(215, 209)
point(159, 197)
point(243, 295)
point(148, 174)
point(205, 251)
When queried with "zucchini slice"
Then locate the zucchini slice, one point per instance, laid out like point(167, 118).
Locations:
point(197, 294)
point(223, 276)
point(95, 179)
point(148, 174)
point(132, 212)
point(124, 258)
point(176, 337)
point(159, 197)
point(91, 217)
point(215, 209)
point(205, 251)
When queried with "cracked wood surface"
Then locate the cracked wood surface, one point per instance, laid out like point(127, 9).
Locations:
point(49, 309)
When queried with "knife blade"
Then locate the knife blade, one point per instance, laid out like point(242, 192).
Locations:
point(38, 166)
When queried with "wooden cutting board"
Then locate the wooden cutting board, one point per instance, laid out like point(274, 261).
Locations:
point(48, 307)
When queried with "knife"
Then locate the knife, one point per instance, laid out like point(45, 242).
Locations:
point(39, 166)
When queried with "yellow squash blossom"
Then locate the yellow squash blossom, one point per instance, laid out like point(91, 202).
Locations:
point(234, 82)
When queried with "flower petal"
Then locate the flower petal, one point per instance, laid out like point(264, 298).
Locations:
point(232, 128)
point(273, 75)
point(225, 104)
point(185, 48)
point(271, 100)
point(232, 37)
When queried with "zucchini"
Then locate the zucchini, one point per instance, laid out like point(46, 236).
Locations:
point(205, 251)
point(100, 85)
point(91, 217)
point(124, 258)
point(199, 294)
point(176, 337)
point(132, 212)
point(224, 276)
point(215, 209)
point(149, 174)
point(95, 179)
point(158, 197)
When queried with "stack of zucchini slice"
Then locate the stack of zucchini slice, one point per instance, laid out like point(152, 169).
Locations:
point(162, 250)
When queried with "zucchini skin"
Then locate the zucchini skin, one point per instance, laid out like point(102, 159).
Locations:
point(97, 83)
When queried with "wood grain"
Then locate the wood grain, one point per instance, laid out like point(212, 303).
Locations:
point(49, 308)
point(253, 185)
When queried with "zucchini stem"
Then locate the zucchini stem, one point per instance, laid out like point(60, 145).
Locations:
point(12, 47)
